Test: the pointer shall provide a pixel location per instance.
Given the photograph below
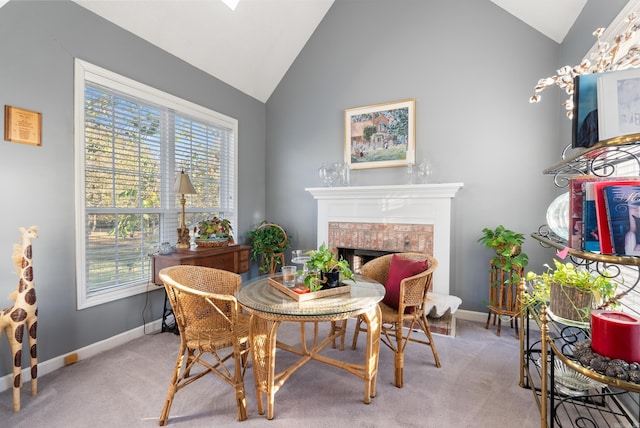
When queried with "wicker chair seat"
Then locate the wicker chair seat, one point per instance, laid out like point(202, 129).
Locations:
point(209, 341)
point(390, 315)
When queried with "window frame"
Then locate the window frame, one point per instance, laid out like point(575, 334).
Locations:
point(87, 72)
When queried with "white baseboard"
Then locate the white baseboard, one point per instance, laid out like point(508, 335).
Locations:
point(463, 314)
point(45, 367)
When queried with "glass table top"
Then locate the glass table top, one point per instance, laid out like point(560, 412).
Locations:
point(258, 295)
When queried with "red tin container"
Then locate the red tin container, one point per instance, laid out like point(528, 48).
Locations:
point(615, 335)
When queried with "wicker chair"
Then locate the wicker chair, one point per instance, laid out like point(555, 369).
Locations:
point(413, 294)
point(211, 323)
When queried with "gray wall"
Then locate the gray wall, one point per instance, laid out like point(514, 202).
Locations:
point(39, 43)
point(471, 68)
point(471, 74)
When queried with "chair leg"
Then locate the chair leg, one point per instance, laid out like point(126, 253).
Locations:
point(424, 324)
point(339, 328)
point(398, 361)
point(190, 357)
point(173, 386)
point(399, 369)
point(241, 400)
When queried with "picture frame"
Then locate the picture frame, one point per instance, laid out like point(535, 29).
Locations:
point(618, 103)
point(585, 111)
point(381, 135)
point(22, 126)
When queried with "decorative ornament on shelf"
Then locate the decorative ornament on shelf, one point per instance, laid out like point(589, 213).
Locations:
point(606, 57)
point(420, 173)
point(334, 174)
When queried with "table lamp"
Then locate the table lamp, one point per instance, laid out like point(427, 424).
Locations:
point(183, 186)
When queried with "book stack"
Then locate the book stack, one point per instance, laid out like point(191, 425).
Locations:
point(604, 215)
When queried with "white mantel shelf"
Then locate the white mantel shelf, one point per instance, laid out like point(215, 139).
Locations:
point(439, 190)
point(393, 204)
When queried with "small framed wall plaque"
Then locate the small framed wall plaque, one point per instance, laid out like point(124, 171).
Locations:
point(22, 126)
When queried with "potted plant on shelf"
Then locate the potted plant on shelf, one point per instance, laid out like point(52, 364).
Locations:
point(326, 269)
point(214, 232)
point(508, 247)
point(571, 292)
point(269, 241)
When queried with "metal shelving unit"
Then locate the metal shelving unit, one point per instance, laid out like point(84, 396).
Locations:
point(595, 404)
point(600, 160)
point(553, 350)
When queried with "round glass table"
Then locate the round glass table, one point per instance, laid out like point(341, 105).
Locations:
point(269, 307)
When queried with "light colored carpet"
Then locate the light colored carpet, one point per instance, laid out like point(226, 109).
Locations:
point(477, 386)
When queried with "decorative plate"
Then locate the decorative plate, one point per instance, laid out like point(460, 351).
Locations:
point(570, 382)
point(558, 216)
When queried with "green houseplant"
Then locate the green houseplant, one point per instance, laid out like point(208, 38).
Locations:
point(507, 245)
point(269, 241)
point(323, 262)
point(215, 231)
point(570, 292)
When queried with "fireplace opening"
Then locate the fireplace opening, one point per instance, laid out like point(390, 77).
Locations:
point(358, 257)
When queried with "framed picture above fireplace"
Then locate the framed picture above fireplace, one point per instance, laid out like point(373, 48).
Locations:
point(381, 135)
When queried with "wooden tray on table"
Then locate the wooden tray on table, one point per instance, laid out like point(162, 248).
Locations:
point(276, 282)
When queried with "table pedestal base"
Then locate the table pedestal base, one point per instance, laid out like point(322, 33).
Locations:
point(263, 350)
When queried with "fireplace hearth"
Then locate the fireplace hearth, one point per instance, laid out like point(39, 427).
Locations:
point(358, 257)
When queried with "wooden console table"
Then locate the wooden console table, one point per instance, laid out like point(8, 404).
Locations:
point(234, 258)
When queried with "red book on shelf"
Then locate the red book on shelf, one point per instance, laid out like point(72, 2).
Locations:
point(623, 203)
point(604, 231)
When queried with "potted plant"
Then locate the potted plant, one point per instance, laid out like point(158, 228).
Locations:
point(505, 242)
point(269, 241)
point(214, 232)
point(571, 292)
point(508, 247)
point(329, 269)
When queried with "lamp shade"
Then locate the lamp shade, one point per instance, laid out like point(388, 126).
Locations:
point(183, 185)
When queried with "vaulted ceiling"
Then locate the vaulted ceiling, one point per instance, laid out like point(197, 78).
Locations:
point(252, 47)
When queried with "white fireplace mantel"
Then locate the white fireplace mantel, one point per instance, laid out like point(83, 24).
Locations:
point(393, 204)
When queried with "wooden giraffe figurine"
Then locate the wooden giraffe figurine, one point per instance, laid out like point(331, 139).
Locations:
point(23, 312)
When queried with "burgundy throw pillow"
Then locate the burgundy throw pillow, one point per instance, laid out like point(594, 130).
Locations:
point(400, 269)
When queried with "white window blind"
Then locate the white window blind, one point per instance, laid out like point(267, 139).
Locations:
point(131, 141)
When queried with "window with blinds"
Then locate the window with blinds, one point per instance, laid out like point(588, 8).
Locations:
point(131, 142)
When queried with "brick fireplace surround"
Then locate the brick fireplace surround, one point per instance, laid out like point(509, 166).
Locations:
point(382, 237)
point(392, 218)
